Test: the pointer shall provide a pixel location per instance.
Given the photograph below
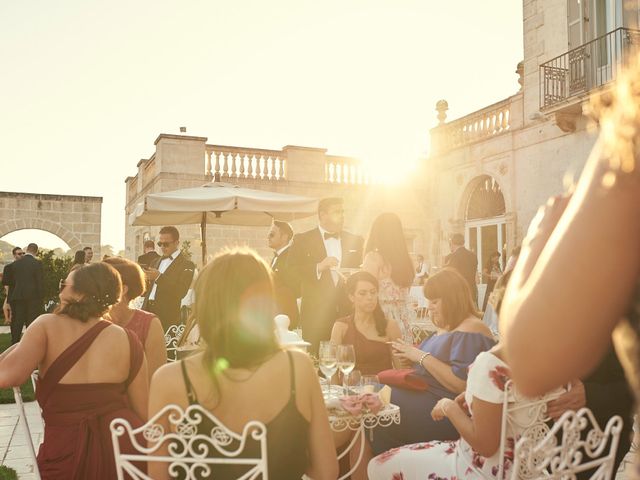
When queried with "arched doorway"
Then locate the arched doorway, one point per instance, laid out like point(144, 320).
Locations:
point(485, 223)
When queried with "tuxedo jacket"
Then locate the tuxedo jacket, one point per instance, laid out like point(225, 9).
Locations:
point(466, 263)
point(28, 279)
point(147, 259)
point(172, 286)
point(322, 300)
point(286, 290)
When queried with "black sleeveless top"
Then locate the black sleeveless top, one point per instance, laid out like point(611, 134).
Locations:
point(287, 438)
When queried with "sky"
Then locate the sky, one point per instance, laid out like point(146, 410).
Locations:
point(87, 86)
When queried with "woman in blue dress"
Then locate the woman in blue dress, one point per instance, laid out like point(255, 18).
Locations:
point(443, 360)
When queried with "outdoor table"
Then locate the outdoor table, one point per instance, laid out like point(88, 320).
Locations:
point(343, 421)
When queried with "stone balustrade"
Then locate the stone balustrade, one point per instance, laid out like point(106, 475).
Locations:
point(226, 162)
point(344, 170)
point(493, 120)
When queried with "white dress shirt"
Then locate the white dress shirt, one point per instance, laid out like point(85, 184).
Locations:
point(333, 247)
point(164, 264)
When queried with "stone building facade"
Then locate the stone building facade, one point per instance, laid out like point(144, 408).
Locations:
point(490, 171)
point(182, 161)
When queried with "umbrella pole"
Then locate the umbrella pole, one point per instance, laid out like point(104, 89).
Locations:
point(203, 236)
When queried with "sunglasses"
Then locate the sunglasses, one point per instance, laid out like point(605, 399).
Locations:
point(62, 284)
point(19, 254)
point(165, 244)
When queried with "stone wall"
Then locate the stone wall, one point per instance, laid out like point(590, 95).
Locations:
point(76, 220)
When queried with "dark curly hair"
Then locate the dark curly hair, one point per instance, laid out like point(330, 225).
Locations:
point(100, 287)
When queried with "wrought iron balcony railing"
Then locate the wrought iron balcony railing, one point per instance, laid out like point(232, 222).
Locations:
point(585, 68)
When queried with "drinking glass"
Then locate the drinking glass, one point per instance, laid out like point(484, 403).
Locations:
point(327, 361)
point(370, 383)
point(354, 382)
point(346, 356)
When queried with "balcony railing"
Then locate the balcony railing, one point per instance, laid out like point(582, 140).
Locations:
point(488, 122)
point(581, 70)
point(236, 163)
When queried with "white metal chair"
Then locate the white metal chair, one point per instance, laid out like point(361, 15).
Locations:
point(171, 339)
point(526, 416)
point(17, 395)
point(187, 453)
point(583, 447)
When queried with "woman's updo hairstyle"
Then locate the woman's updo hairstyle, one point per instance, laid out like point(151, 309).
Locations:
point(100, 287)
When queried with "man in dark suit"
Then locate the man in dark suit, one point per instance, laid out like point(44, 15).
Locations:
point(149, 256)
point(279, 239)
point(170, 277)
point(464, 261)
point(27, 291)
point(316, 257)
point(8, 281)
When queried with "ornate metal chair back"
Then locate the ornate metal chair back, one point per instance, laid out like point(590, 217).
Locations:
point(17, 395)
point(527, 417)
point(195, 443)
point(171, 339)
point(574, 444)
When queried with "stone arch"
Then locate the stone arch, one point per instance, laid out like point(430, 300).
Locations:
point(41, 224)
point(473, 191)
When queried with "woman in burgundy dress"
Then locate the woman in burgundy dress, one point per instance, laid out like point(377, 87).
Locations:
point(144, 324)
point(91, 372)
point(368, 330)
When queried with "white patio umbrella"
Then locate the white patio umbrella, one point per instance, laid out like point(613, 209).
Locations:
point(222, 204)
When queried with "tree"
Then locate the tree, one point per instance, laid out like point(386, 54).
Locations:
point(55, 269)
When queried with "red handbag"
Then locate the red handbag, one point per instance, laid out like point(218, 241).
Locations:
point(406, 378)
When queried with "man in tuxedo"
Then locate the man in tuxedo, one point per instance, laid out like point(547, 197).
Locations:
point(279, 239)
point(88, 255)
point(464, 261)
point(170, 277)
point(8, 281)
point(27, 291)
point(149, 256)
point(315, 257)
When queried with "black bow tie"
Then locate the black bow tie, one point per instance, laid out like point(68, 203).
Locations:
point(328, 235)
point(164, 257)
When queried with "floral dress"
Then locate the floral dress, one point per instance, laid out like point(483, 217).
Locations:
point(454, 459)
point(396, 303)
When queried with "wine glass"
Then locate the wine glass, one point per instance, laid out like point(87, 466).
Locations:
point(370, 383)
point(327, 361)
point(346, 356)
point(354, 382)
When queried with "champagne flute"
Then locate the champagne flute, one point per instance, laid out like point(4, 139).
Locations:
point(327, 361)
point(346, 356)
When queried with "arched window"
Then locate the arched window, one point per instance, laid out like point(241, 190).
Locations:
point(486, 200)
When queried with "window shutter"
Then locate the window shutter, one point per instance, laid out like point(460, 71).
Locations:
point(575, 22)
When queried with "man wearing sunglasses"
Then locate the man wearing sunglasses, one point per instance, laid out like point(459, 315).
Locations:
point(170, 277)
point(8, 281)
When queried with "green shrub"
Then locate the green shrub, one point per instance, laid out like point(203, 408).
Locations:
point(7, 473)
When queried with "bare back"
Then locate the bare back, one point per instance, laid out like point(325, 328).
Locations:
point(106, 360)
